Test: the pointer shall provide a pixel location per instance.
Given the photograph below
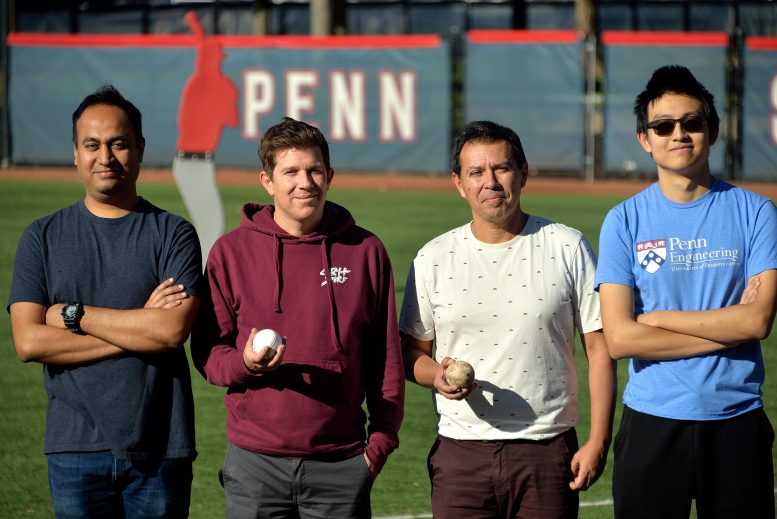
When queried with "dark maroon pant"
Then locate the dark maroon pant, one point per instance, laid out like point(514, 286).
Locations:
point(503, 479)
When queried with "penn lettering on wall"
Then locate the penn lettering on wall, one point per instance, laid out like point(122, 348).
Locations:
point(300, 91)
point(383, 102)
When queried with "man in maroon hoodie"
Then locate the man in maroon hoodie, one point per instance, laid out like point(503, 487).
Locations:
point(295, 424)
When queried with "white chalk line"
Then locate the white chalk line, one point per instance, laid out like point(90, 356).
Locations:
point(583, 504)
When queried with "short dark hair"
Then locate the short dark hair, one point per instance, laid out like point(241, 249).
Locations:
point(675, 79)
point(486, 132)
point(108, 95)
point(288, 134)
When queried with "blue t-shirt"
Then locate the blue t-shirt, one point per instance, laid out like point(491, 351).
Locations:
point(694, 256)
point(138, 406)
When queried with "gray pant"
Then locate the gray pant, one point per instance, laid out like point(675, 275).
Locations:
point(260, 486)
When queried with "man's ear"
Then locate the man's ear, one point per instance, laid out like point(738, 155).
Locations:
point(714, 136)
point(524, 174)
point(457, 182)
point(141, 148)
point(266, 180)
point(644, 142)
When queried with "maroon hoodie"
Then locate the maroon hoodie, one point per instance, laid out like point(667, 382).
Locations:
point(342, 344)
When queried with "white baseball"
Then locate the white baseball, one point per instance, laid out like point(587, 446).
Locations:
point(269, 338)
point(460, 373)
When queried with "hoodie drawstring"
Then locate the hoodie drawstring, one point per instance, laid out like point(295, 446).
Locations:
point(276, 257)
point(335, 336)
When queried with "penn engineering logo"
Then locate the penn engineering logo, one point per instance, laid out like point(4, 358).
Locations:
point(336, 274)
point(684, 254)
point(651, 254)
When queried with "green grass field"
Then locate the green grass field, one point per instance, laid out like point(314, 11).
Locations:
point(403, 220)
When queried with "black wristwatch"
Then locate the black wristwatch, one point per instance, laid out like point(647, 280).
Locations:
point(71, 315)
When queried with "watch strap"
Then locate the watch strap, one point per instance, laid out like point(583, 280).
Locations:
point(71, 316)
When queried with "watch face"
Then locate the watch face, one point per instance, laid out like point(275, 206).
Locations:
point(70, 312)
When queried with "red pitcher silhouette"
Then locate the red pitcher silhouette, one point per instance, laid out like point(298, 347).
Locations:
point(208, 104)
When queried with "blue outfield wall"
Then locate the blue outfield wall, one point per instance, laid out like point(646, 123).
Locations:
point(382, 102)
point(759, 150)
point(630, 59)
point(531, 81)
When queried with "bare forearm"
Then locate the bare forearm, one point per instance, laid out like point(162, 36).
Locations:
point(421, 368)
point(602, 388)
point(35, 341)
point(139, 330)
point(602, 385)
point(149, 329)
point(630, 339)
point(50, 345)
point(738, 323)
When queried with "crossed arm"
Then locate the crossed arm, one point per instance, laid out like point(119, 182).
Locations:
point(163, 323)
point(672, 334)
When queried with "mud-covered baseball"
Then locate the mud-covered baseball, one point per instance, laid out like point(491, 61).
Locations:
point(460, 373)
point(269, 338)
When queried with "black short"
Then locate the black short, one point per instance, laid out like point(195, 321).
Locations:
point(661, 465)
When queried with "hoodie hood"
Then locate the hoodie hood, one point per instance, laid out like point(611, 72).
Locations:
point(259, 217)
point(336, 220)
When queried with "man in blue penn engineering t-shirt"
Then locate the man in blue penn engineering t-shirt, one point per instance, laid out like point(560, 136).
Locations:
point(688, 286)
point(104, 296)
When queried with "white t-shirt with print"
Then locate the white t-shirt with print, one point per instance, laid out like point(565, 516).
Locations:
point(511, 310)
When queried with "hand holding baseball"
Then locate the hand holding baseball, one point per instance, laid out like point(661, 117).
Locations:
point(450, 390)
point(269, 339)
point(460, 373)
point(263, 351)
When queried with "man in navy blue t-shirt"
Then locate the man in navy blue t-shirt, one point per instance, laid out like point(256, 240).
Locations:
point(104, 295)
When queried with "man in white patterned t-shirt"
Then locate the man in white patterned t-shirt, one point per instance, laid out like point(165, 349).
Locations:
point(506, 293)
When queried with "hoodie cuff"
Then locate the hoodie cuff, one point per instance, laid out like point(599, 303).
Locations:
point(378, 452)
point(243, 374)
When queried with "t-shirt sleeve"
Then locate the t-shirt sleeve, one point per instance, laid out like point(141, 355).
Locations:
point(28, 284)
point(615, 251)
point(184, 263)
point(763, 246)
point(587, 316)
point(416, 318)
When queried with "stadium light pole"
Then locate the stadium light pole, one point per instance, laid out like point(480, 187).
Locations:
point(585, 16)
point(585, 23)
point(320, 12)
point(327, 17)
point(261, 22)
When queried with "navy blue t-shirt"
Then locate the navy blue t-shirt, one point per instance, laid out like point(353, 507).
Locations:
point(139, 406)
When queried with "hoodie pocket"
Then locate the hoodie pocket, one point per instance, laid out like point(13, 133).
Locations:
point(321, 382)
point(302, 408)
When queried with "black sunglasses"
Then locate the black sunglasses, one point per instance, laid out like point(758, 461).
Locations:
point(689, 124)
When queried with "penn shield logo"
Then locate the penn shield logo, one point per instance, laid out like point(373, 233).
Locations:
point(336, 274)
point(651, 254)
